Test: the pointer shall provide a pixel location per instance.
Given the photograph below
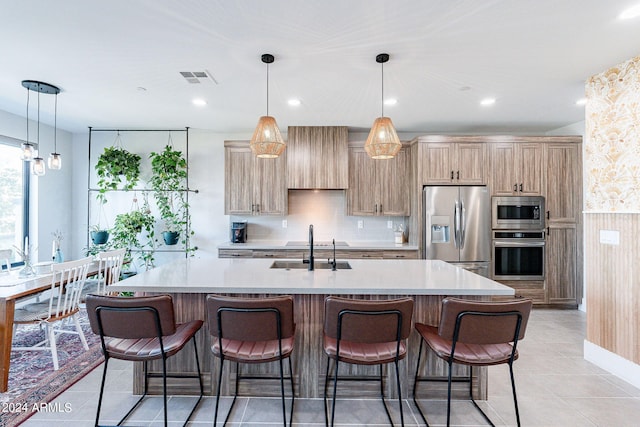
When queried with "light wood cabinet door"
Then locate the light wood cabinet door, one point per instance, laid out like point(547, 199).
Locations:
point(253, 186)
point(362, 192)
point(393, 184)
point(470, 164)
point(453, 163)
point(438, 159)
point(529, 169)
point(378, 187)
point(563, 194)
point(503, 181)
point(561, 263)
point(516, 169)
point(238, 181)
point(270, 186)
point(317, 157)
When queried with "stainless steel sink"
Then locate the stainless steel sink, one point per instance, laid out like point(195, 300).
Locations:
point(318, 265)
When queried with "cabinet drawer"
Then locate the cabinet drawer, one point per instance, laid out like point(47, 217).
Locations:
point(534, 290)
point(259, 253)
point(400, 254)
point(235, 253)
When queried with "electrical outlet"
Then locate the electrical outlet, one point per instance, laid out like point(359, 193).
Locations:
point(389, 224)
point(284, 223)
point(360, 224)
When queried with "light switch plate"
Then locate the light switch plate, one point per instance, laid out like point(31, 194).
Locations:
point(389, 224)
point(284, 223)
point(610, 237)
point(360, 224)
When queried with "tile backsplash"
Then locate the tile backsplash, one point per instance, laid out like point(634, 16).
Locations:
point(326, 210)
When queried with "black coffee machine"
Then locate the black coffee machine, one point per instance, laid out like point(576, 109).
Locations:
point(239, 232)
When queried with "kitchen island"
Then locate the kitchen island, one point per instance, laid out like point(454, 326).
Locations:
point(190, 280)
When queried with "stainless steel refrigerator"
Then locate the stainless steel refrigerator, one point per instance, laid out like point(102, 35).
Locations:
point(457, 226)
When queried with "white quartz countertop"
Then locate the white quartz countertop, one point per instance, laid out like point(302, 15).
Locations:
point(288, 245)
point(249, 275)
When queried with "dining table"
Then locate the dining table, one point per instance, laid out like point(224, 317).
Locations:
point(13, 288)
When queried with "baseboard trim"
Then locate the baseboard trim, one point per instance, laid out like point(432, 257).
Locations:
point(622, 368)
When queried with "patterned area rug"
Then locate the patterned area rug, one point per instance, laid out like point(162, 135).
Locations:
point(32, 380)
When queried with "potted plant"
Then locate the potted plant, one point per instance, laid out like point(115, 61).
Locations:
point(116, 166)
point(126, 231)
point(169, 184)
point(99, 236)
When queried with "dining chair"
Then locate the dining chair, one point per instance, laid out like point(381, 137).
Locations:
point(474, 333)
point(142, 329)
point(60, 305)
point(365, 332)
point(252, 330)
point(108, 273)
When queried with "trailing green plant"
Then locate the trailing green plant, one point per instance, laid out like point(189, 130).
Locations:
point(116, 166)
point(126, 233)
point(169, 184)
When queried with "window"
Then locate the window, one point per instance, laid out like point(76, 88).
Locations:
point(14, 194)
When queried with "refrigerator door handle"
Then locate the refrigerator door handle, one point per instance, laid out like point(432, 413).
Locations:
point(456, 225)
point(463, 224)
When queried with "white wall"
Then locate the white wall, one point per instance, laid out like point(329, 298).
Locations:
point(51, 201)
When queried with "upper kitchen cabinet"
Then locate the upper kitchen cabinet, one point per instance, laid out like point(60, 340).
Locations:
point(317, 157)
point(378, 187)
point(253, 186)
point(453, 163)
point(516, 168)
point(563, 192)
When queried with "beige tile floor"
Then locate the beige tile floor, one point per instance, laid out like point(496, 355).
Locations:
point(556, 387)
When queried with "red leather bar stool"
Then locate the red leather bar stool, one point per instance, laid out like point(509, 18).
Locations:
point(365, 332)
point(141, 329)
point(252, 330)
point(474, 333)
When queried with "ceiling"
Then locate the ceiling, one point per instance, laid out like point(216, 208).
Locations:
point(118, 62)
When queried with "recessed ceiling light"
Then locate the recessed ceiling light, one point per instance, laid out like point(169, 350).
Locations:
point(199, 102)
point(581, 101)
point(294, 102)
point(488, 101)
point(632, 12)
point(390, 101)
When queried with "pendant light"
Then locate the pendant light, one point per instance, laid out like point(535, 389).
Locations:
point(38, 165)
point(27, 147)
point(55, 159)
point(382, 142)
point(266, 141)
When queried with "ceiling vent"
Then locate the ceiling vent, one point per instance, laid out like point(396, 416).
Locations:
point(197, 77)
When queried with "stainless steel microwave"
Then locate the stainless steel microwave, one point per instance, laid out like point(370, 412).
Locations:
point(517, 213)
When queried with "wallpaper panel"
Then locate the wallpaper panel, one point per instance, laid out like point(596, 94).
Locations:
point(612, 150)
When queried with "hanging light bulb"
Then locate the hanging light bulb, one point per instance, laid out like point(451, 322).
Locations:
point(266, 141)
point(27, 147)
point(28, 150)
point(383, 141)
point(37, 166)
point(55, 159)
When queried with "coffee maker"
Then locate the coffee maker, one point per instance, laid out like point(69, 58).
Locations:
point(239, 232)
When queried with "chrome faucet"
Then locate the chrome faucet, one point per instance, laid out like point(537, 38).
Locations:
point(311, 247)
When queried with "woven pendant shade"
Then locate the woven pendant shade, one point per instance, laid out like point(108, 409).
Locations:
point(266, 141)
point(382, 142)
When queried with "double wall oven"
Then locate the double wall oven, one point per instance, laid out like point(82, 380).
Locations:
point(518, 238)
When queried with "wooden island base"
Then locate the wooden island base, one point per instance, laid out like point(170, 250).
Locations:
point(308, 359)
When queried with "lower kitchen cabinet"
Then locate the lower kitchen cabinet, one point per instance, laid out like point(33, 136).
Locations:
point(534, 290)
point(562, 265)
point(318, 254)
